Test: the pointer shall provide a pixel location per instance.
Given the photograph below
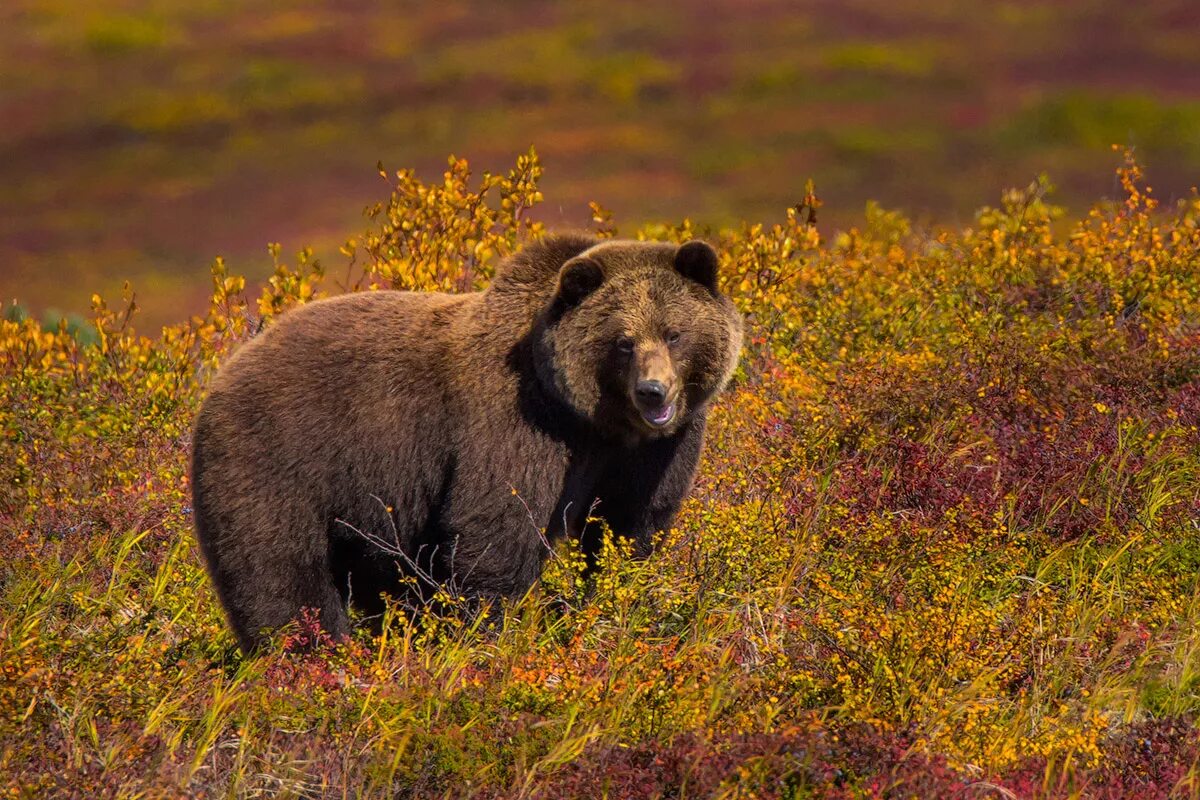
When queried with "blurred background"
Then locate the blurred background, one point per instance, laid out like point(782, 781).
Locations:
point(140, 138)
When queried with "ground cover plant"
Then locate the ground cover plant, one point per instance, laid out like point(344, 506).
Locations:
point(943, 544)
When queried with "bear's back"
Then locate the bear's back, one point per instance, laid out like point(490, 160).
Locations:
point(344, 345)
point(336, 379)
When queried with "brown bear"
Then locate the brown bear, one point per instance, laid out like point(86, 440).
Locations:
point(371, 441)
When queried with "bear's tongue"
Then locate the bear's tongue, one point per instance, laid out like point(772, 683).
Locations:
point(660, 416)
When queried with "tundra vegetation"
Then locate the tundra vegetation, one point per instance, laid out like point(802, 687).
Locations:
point(944, 540)
point(143, 136)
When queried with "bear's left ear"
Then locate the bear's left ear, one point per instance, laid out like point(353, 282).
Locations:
point(697, 261)
point(579, 278)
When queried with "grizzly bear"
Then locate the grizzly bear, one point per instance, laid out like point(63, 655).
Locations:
point(381, 440)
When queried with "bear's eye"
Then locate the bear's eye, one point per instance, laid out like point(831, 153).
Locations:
point(672, 337)
point(625, 344)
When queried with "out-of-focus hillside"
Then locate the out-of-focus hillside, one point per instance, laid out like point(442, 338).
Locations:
point(143, 137)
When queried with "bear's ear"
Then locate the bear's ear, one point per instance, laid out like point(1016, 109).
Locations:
point(697, 261)
point(579, 278)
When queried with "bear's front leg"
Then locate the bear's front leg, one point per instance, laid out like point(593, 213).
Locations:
point(495, 550)
point(643, 489)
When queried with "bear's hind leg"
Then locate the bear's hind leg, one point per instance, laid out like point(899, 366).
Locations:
point(270, 577)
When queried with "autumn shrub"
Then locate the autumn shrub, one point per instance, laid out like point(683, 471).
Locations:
point(943, 541)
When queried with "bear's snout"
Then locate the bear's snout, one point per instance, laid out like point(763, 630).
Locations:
point(651, 399)
point(654, 387)
point(651, 393)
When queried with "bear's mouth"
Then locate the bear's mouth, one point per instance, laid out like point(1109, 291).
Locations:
point(661, 416)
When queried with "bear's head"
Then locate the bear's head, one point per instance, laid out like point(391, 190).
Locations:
point(637, 337)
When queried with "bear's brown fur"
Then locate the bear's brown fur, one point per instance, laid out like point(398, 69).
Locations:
point(379, 436)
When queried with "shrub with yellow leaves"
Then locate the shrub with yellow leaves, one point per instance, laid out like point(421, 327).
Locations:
point(943, 540)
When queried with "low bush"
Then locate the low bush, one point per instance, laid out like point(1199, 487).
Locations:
point(944, 540)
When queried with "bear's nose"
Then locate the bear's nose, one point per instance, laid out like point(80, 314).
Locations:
point(652, 393)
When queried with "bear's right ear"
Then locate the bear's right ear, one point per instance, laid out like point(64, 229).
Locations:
point(579, 278)
point(697, 261)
